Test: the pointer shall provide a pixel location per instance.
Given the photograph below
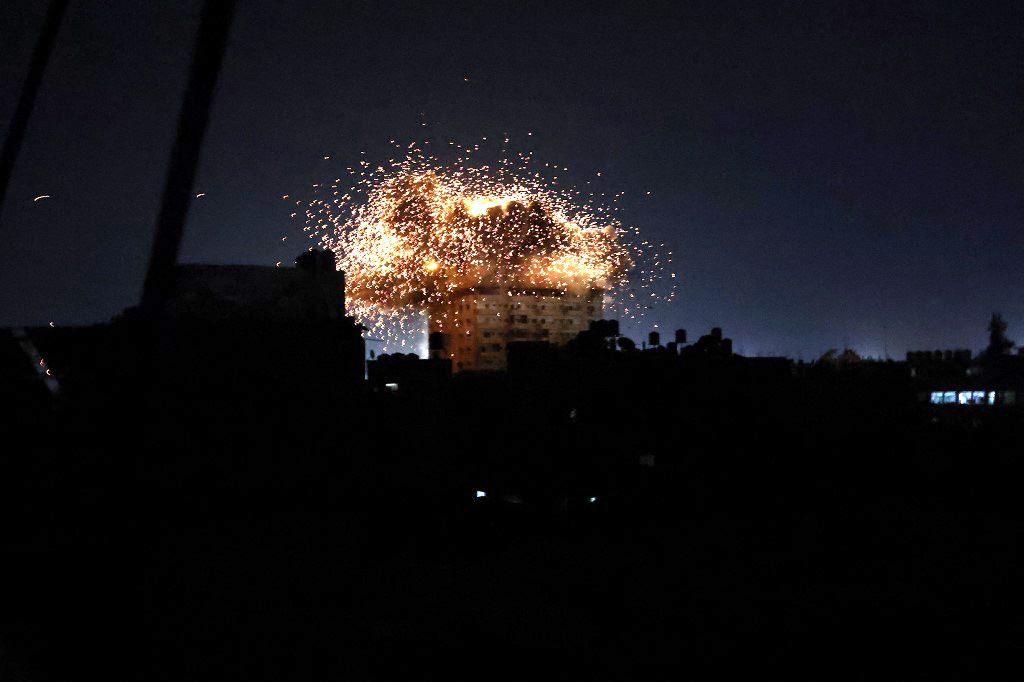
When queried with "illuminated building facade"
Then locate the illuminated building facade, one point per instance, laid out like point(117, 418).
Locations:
point(972, 397)
point(474, 330)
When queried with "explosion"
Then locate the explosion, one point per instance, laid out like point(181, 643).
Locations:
point(418, 234)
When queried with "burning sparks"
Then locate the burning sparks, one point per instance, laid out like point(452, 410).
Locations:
point(415, 235)
point(479, 206)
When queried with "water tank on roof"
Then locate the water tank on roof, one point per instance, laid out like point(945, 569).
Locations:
point(605, 328)
point(437, 341)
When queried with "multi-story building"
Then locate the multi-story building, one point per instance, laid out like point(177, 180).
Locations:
point(474, 329)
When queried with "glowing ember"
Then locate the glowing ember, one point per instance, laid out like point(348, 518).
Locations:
point(418, 234)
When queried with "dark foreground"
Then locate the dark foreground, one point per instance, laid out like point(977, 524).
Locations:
point(826, 527)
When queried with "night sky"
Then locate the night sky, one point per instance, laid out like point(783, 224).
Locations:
point(825, 174)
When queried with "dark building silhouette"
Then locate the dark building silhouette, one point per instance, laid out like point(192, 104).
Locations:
point(711, 346)
point(248, 465)
point(226, 328)
point(313, 291)
point(407, 372)
point(957, 377)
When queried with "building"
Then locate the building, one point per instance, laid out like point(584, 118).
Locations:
point(311, 292)
point(280, 324)
point(956, 377)
point(408, 373)
point(474, 330)
point(224, 329)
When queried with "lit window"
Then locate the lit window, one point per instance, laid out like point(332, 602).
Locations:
point(936, 398)
point(949, 397)
point(593, 500)
point(391, 387)
point(978, 397)
point(480, 493)
point(991, 397)
point(964, 397)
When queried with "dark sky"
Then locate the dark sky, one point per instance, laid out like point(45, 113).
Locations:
point(826, 174)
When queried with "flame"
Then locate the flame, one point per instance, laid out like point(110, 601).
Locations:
point(479, 206)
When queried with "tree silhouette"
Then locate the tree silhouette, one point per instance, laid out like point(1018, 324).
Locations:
point(998, 343)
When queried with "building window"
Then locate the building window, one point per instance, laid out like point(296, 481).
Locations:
point(971, 397)
point(962, 398)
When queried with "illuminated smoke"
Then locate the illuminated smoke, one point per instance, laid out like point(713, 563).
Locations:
point(417, 233)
